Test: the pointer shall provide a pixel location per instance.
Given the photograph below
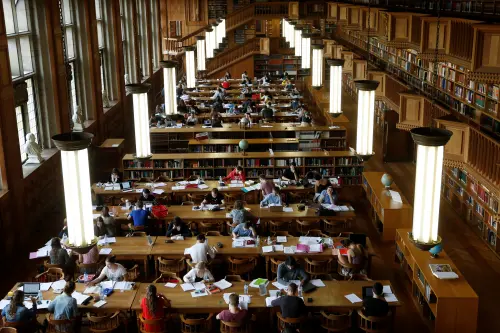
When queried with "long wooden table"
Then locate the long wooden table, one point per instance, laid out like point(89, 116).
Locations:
point(331, 296)
point(272, 127)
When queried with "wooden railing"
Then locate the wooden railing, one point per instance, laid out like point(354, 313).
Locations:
point(227, 58)
point(484, 156)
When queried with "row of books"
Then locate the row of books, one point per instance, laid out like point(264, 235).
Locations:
point(138, 164)
point(215, 149)
point(139, 174)
point(258, 162)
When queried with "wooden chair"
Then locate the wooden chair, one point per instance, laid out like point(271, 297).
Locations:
point(280, 233)
point(139, 234)
point(340, 322)
point(359, 277)
point(104, 324)
point(275, 226)
point(317, 267)
point(234, 278)
point(167, 277)
point(292, 322)
point(61, 325)
point(233, 327)
point(88, 268)
point(8, 330)
point(343, 268)
point(213, 233)
point(151, 325)
point(274, 266)
point(303, 226)
point(187, 203)
point(316, 233)
point(199, 325)
point(374, 324)
point(295, 197)
point(133, 273)
point(48, 265)
point(176, 266)
point(50, 275)
point(240, 266)
point(334, 227)
point(230, 198)
point(205, 227)
point(195, 197)
point(163, 179)
point(17, 326)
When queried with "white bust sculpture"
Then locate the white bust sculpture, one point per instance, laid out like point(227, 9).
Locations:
point(105, 99)
point(78, 120)
point(33, 150)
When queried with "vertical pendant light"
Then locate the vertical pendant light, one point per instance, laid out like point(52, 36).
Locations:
point(208, 43)
point(317, 66)
point(215, 41)
point(291, 34)
point(190, 67)
point(169, 86)
point(298, 41)
point(335, 86)
point(430, 151)
point(366, 113)
point(200, 53)
point(141, 118)
point(77, 191)
point(284, 28)
point(306, 51)
point(221, 30)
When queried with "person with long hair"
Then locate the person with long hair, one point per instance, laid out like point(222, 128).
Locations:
point(58, 255)
point(65, 306)
point(198, 274)
point(153, 307)
point(17, 312)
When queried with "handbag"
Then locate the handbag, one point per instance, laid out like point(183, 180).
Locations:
point(159, 211)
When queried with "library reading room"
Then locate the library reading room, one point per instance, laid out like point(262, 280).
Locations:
point(239, 166)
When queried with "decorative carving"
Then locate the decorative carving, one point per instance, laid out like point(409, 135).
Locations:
point(78, 120)
point(105, 99)
point(33, 150)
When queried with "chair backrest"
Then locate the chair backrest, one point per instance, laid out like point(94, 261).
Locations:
point(54, 274)
point(352, 268)
point(274, 265)
point(87, 268)
point(234, 278)
point(374, 324)
point(175, 266)
point(275, 226)
point(104, 324)
point(234, 327)
point(240, 266)
point(359, 277)
point(133, 273)
point(139, 234)
point(167, 277)
point(281, 233)
point(293, 322)
point(205, 227)
point(199, 325)
point(151, 325)
point(8, 330)
point(212, 233)
point(339, 322)
point(315, 233)
point(316, 267)
point(60, 325)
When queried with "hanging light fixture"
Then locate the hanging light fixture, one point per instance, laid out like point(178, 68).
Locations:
point(77, 191)
point(215, 40)
point(141, 119)
point(190, 67)
point(317, 66)
point(335, 86)
point(169, 86)
point(298, 41)
point(200, 53)
point(221, 30)
point(430, 152)
point(284, 28)
point(208, 43)
point(291, 34)
point(366, 113)
point(306, 51)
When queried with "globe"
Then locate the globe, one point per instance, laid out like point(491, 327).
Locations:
point(243, 144)
point(387, 180)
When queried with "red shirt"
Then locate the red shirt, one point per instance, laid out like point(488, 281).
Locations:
point(233, 175)
point(160, 313)
point(238, 317)
point(225, 84)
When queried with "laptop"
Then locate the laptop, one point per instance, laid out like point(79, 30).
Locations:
point(367, 292)
point(126, 187)
point(31, 289)
point(358, 239)
point(308, 287)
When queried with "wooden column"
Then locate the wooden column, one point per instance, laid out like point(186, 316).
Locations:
point(163, 27)
point(135, 32)
point(149, 29)
point(117, 37)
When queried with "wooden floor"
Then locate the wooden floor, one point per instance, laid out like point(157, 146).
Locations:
point(479, 265)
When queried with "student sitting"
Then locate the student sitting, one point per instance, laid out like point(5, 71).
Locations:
point(146, 196)
point(244, 229)
point(290, 270)
point(305, 118)
point(273, 198)
point(178, 227)
point(90, 257)
point(139, 216)
point(236, 174)
point(295, 104)
point(64, 306)
point(184, 97)
point(198, 273)
point(244, 76)
point(267, 112)
point(191, 120)
point(290, 173)
point(356, 255)
point(213, 198)
point(328, 196)
point(153, 308)
point(108, 221)
point(234, 314)
point(321, 184)
point(266, 185)
point(225, 84)
point(218, 93)
point(376, 306)
point(16, 311)
point(201, 251)
point(215, 118)
point(238, 214)
point(112, 271)
point(291, 305)
point(289, 86)
point(227, 76)
point(58, 255)
point(115, 176)
point(247, 119)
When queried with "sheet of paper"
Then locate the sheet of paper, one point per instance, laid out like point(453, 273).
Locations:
point(45, 286)
point(4, 303)
point(160, 184)
point(281, 239)
point(202, 186)
point(290, 249)
point(199, 293)
point(353, 298)
point(238, 243)
point(278, 248)
point(91, 290)
point(318, 283)
point(387, 289)
point(109, 240)
point(187, 286)
point(267, 249)
point(269, 301)
point(236, 185)
point(28, 304)
point(158, 191)
point(58, 284)
point(236, 182)
point(176, 188)
point(274, 293)
point(80, 298)
point(170, 285)
point(116, 187)
point(105, 251)
point(99, 304)
point(396, 196)
point(124, 285)
point(287, 209)
point(279, 285)
point(108, 284)
point(223, 284)
point(94, 216)
point(315, 248)
point(390, 298)
point(44, 304)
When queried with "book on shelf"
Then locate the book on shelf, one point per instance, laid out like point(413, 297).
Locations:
point(443, 271)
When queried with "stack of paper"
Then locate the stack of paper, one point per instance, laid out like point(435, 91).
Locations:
point(109, 240)
point(124, 285)
point(58, 285)
point(223, 284)
point(388, 295)
point(170, 285)
point(353, 298)
point(267, 249)
point(80, 298)
point(269, 301)
point(176, 188)
point(91, 290)
point(236, 185)
point(158, 191)
point(290, 249)
point(287, 209)
point(105, 251)
point(193, 286)
point(279, 285)
point(317, 283)
point(257, 282)
point(281, 239)
point(159, 184)
point(199, 293)
point(202, 186)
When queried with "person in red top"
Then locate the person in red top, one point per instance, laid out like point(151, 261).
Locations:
point(225, 84)
point(236, 174)
point(153, 307)
point(234, 314)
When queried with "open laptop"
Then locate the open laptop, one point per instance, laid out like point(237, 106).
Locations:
point(367, 291)
point(31, 289)
point(126, 187)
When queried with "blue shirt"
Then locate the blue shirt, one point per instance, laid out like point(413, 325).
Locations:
point(271, 199)
point(325, 198)
point(140, 216)
point(63, 307)
point(239, 231)
point(22, 314)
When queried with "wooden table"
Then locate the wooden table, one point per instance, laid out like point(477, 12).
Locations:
point(331, 296)
point(275, 127)
point(131, 248)
point(112, 143)
point(241, 99)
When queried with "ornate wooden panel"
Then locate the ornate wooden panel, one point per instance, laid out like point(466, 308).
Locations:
point(380, 77)
point(359, 69)
point(457, 149)
point(486, 54)
point(411, 110)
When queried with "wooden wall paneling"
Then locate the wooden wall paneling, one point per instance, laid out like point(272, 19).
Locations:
point(359, 69)
point(332, 11)
point(238, 68)
point(293, 10)
point(380, 77)
point(354, 20)
point(117, 36)
point(486, 53)
point(343, 14)
point(429, 34)
point(457, 149)
point(411, 109)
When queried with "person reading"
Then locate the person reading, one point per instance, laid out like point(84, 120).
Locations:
point(291, 305)
point(198, 274)
point(236, 174)
point(238, 214)
point(201, 250)
point(290, 270)
point(328, 196)
point(115, 176)
point(139, 217)
point(266, 185)
point(376, 306)
point(146, 196)
point(178, 227)
point(153, 308)
point(112, 271)
point(244, 229)
point(17, 312)
point(213, 198)
point(273, 198)
point(290, 173)
point(234, 314)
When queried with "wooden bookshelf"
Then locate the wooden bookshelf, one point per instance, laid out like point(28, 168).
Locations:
point(445, 305)
point(387, 214)
point(278, 64)
point(343, 165)
point(169, 140)
point(231, 145)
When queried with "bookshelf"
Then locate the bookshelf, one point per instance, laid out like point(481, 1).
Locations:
point(475, 202)
point(445, 305)
point(231, 145)
point(343, 165)
point(217, 8)
point(170, 140)
point(387, 214)
point(277, 64)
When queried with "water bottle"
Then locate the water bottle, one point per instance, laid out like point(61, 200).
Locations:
point(105, 243)
point(101, 292)
point(269, 242)
point(85, 277)
point(40, 296)
point(257, 241)
point(300, 290)
point(245, 289)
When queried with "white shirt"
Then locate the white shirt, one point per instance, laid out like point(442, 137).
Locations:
point(192, 274)
point(115, 275)
point(199, 251)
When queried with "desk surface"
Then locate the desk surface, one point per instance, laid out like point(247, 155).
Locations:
point(332, 295)
point(381, 193)
point(268, 127)
point(112, 143)
point(177, 247)
point(126, 246)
